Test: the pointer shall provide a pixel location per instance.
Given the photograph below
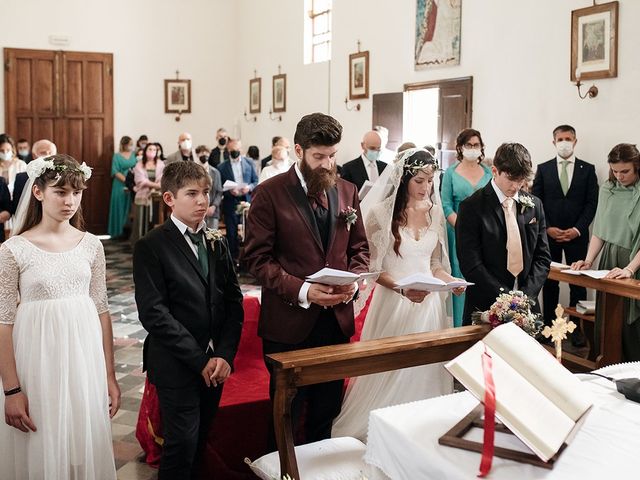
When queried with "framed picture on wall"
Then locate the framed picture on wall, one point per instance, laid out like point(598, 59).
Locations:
point(255, 95)
point(177, 96)
point(280, 92)
point(594, 42)
point(359, 75)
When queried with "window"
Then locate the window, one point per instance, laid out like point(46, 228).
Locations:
point(317, 31)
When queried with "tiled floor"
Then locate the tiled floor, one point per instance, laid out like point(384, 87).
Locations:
point(128, 337)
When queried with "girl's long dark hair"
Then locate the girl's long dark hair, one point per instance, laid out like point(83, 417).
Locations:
point(411, 169)
point(69, 176)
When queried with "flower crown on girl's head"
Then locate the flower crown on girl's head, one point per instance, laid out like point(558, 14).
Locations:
point(413, 168)
point(37, 167)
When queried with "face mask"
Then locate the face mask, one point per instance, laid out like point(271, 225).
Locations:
point(372, 155)
point(204, 159)
point(142, 145)
point(471, 154)
point(186, 145)
point(564, 148)
point(222, 142)
point(129, 148)
point(151, 155)
point(6, 156)
point(234, 154)
point(24, 153)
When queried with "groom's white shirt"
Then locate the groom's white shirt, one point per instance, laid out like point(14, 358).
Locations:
point(303, 301)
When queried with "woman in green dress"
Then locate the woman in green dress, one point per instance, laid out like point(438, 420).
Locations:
point(459, 182)
point(120, 204)
point(616, 236)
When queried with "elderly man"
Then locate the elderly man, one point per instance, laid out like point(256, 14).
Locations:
point(41, 148)
point(185, 150)
point(276, 142)
point(368, 165)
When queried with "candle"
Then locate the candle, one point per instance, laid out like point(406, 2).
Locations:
point(578, 74)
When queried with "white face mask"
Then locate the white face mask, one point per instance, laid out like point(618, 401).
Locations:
point(471, 154)
point(564, 148)
point(6, 156)
point(23, 152)
point(186, 145)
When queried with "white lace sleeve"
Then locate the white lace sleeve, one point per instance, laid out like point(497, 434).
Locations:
point(10, 275)
point(439, 256)
point(98, 286)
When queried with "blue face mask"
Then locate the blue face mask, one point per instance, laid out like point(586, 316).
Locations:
point(372, 155)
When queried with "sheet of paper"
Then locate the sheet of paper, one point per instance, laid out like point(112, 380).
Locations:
point(598, 274)
point(331, 276)
point(559, 265)
point(427, 283)
point(230, 185)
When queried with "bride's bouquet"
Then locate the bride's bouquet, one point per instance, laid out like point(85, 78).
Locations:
point(514, 307)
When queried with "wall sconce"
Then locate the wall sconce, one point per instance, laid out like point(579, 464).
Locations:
point(249, 118)
point(276, 118)
point(355, 106)
point(591, 93)
point(177, 117)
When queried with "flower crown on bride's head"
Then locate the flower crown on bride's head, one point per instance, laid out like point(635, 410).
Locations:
point(424, 160)
point(37, 167)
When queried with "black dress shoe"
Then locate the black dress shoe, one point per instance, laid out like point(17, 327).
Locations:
point(578, 340)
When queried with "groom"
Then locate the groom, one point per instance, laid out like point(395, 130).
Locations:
point(190, 302)
point(296, 226)
point(501, 237)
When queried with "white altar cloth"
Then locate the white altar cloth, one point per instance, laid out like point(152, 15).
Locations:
point(403, 440)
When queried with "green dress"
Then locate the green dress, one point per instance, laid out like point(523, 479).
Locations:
point(617, 223)
point(120, 203)
point(455, 189)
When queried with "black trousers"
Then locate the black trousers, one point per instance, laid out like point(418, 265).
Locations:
point(314, 407)
point(573, 251)
point(231, 221)
point(187, 413)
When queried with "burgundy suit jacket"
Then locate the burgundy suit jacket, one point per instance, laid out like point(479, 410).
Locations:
point(283, 246)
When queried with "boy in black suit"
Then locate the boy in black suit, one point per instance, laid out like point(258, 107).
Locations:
point(568, 189)
point(190, 302)
point(501, 236)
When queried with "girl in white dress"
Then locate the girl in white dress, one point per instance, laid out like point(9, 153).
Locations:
point(406, 233)
point(56, 342)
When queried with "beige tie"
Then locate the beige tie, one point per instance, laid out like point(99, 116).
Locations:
point(514, 245)
point(372, 171)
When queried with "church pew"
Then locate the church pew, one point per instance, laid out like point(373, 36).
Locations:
point(317, 365)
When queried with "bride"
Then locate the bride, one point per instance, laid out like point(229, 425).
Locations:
point(406, 232)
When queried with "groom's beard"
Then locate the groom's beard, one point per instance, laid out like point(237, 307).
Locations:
point(319, 179)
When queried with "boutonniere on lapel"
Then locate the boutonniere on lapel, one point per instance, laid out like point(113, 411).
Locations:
point(242, 207)
point(525, 202)
point(212, 237)
point(349, 216)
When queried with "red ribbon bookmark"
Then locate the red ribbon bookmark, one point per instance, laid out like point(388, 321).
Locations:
point(489, 415)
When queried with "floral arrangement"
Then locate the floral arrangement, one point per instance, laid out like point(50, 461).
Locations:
point(40, 165)
point(213, 236)
point(349, 216)
point(514, 307)
point(242, 207)
point(525, 202)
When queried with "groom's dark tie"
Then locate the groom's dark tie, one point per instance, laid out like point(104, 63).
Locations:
point(320, 205)
point(198, 240)
point(319, 199)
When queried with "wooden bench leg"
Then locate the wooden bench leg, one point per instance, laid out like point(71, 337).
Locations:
point(283, 424)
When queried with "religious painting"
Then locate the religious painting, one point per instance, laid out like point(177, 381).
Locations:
point(359, 75)
point(437, 33)
point(280, 92)
point(255, 95)
point(594, 42)
point(177, 96)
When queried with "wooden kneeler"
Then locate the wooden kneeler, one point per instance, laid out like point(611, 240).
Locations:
point(317, 365)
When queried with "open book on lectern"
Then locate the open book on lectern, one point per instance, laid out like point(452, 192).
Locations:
point(538, 399)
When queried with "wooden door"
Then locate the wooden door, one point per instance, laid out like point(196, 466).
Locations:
point(66, 97)
point(387, 112)
point(455, 115)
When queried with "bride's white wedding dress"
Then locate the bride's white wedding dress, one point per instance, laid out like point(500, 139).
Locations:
point(57, 340)
point(391, 314)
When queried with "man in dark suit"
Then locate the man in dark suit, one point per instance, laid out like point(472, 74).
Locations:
point(568, 189)
point(190, 302)
point(501, 236)
point(220, 153)
point(41, 148)
point(5, 206)
point(368, 165)
point(296, 226)
point(242, 171)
